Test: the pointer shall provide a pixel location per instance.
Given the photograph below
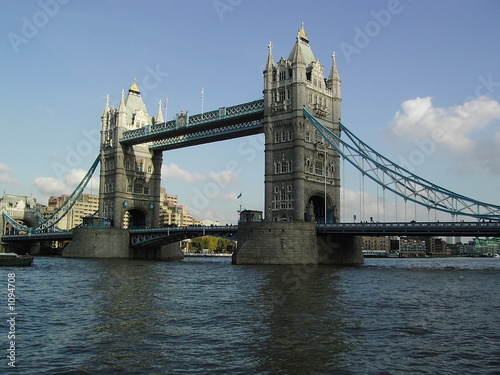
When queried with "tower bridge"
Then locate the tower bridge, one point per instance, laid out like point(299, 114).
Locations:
point(300, 117)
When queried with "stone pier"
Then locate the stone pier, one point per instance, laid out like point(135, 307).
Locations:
point(115, 243)
point(98, 243)
point(274, 242)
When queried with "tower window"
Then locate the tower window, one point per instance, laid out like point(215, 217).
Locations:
point(138, 188)
point(318, 167)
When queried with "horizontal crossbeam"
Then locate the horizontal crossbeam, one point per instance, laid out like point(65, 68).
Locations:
point(225, 123)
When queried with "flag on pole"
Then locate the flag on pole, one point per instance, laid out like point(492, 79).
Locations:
point(201, 97)
point(166, 102)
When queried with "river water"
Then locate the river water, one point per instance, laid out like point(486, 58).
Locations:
point(206, 316)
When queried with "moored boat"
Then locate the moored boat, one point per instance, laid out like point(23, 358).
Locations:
point(15, 260)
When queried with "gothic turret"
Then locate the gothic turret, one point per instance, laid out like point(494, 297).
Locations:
point(159, 114)
point(105, 122)
point(334, 79)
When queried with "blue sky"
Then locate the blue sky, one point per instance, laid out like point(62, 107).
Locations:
point(411, 71)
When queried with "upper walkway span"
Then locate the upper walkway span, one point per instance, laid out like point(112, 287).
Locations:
point(224, 123)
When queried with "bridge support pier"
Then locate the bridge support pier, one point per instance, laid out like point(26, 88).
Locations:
point(98, 243)
point(274, 242)
point(115, 243)
point(21, 248)
point(166, 252)
point(340, 250)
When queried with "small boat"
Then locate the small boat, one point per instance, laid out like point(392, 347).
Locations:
point(13, 259)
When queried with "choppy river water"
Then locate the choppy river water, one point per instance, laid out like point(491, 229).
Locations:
point(206, 316)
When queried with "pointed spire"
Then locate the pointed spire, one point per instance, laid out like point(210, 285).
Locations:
point(106, 107)
point(298, 56)
point(302, 35)
point(334, 73)
point(121, 108)
point(159, 115)
point(270, 61)
point(334, 78)
point(134, 88)
point(301, 52)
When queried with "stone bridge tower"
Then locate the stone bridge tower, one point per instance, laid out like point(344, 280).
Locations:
point(130, 176)
point(302, 172)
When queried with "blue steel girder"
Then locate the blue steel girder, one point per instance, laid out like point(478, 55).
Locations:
point(63, 235)
point(155, 236)
point(247, 118)
point(49, 224)
point(231, 131)
point(400, 181)
point(473, 229)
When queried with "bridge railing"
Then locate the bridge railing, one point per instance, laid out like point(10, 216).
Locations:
point(228, 112)
point(192, 228)
point(206, 134)
point(413, 228)
point(447, 224)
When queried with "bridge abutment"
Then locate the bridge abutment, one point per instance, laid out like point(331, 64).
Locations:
point(99, 243)
point(21, 248)
point(168, 252)
point(340, 250)
point(274, 242)
point(115, 243)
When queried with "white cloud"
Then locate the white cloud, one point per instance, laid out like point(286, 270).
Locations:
point(466, 133)
point(66, 185)
point(74, 177)
point(5, 175)
point(175, 172)
point(231, 196)
point(223, 177)
point(50, 185)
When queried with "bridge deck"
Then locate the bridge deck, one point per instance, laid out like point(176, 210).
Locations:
point(142, 237)
point(471, 229)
